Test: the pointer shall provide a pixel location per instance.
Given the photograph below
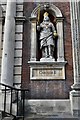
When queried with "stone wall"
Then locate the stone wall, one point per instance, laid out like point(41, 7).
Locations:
point(48, 88)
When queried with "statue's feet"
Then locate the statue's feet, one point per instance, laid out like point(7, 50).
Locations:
point(51, 57)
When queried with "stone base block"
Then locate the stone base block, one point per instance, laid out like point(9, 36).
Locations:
point(47, 59)
point(47, 107)
point(75, 102)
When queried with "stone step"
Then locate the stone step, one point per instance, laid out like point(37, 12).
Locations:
point(53, 119)
point(41, 118)
point(8, 118)
point(44, 117)
point(49, 117)
point(44, 106)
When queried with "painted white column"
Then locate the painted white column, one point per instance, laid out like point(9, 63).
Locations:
point(33, 39)
point(0, 35)
point(8, 44)
point(75, 29)
point(60, 45)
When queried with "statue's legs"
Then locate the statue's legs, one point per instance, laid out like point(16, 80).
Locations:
point(45, 52)
point(50, 51)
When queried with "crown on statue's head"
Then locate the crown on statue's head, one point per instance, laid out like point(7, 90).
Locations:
point(46, 14)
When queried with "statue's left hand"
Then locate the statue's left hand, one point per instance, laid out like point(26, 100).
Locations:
point(38, 27)
point(55, 34)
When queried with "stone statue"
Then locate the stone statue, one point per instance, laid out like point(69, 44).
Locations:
point(47, 37)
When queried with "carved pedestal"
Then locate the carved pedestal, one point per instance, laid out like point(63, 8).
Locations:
point(47, 70)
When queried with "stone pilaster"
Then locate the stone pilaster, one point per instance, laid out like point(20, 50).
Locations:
point(75, 26)
point(8, 44)
point(33, 39)
point(60, 45)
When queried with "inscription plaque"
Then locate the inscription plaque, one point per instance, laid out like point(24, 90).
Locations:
point(55, 73)
point(47, 70)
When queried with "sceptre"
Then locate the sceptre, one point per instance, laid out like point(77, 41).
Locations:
point(39, 14)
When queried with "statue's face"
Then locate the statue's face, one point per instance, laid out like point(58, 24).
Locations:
point(46, 18)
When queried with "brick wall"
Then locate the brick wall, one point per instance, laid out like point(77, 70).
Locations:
point(55, 88)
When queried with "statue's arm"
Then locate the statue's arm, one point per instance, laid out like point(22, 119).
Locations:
point(38, 27)
point(54, 31)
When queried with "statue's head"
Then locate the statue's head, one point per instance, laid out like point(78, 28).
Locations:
point(46, 18)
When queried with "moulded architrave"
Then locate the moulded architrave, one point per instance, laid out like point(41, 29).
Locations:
point(19, 36)
point(18, 53)
point(17, 70)
point(17, 78)
point(18, 44)
point(19, 8)
point(19, 13)
point(17, 61)
point(19, 28)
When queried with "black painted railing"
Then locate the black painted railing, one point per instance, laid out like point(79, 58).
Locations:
point(20, 95)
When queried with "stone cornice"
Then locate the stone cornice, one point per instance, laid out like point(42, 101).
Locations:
point(46, 63)
point(20, 18)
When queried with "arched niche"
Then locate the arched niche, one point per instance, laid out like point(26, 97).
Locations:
point(51, 7)
point(56, 13)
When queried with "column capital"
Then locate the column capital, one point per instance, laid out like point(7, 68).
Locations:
point(59, 19)
point(76, 86)
point(33, 19)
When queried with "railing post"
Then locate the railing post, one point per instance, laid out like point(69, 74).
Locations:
point(5, 100)
point(11, 103)
point(17, 102)
point(23, 104)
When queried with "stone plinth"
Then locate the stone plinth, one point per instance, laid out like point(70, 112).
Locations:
point(75, 102)
point(47, 107)
point(47, 70)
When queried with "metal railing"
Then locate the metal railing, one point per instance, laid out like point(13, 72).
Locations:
point(20, 95)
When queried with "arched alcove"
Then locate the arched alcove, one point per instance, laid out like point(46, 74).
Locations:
point(54, 13)
point(55, 10)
